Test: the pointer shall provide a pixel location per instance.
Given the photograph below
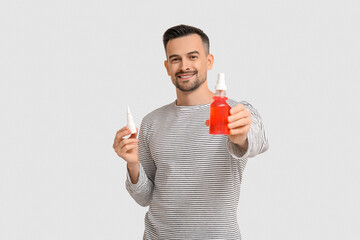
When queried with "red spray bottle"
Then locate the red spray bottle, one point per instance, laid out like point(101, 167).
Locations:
point(219, 109)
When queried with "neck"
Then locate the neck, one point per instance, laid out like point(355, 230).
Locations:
point(202, 95)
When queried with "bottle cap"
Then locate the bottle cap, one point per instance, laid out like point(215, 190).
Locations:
point(220, 84)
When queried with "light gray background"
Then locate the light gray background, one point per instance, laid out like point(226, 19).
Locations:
point(69, 68)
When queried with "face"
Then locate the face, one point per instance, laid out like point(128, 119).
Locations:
point(187, 62)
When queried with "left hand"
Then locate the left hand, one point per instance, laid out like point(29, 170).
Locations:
point(239, 123)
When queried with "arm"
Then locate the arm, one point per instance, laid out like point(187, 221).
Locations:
point(140, 176)
point(250, 138)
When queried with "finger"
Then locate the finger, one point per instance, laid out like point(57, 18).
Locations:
point(236, 109)
point(240, 131)
point(124, 128)
point(128, 141)
point(240, 123)
point(120, 134)
point(207, 122)
point(128, 147)
point(120, 148)
point(239, 115)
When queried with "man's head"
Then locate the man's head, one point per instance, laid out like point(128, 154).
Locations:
point(187, 56)
point(185, 30)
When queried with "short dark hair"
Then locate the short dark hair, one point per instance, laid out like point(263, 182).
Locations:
point(185, 30)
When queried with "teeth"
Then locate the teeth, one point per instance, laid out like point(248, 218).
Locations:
point(186, 76)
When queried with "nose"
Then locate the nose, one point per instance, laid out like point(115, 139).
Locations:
point(185, 65)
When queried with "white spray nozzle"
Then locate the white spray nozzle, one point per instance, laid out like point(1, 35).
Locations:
point(130, 121)
point(220, 84)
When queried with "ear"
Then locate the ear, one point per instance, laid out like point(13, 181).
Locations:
point(166, 64)
point(210, 61)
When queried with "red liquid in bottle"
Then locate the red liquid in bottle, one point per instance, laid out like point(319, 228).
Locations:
point(219, 112)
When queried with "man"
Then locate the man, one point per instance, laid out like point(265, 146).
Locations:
point(190, 179)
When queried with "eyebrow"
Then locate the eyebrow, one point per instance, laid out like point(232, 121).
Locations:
point(193, 52)
point(189, 53)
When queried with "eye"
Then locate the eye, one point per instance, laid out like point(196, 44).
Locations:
point(175, 60)
point(193, 57)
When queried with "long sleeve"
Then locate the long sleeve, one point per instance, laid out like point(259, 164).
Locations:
point(257, 140)
point(142, 191)
point(189, 176)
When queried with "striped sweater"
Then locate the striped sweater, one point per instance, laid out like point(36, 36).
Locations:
point(190, 179)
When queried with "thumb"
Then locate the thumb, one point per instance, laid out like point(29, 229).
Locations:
point(134, 135)
point(207, 122)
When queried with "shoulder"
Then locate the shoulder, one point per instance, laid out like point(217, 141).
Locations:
point(156, 115)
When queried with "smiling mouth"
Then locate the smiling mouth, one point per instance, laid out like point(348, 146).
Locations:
point(185, 76)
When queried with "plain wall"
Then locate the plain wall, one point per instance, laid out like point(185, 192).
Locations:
point(69, 68)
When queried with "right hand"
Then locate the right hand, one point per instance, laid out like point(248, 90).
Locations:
point(127, 149)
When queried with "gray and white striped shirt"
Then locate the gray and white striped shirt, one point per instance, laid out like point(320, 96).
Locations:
point(189, 178)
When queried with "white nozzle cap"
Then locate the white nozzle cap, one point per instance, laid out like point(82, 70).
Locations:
point(130, 121)
point(220, 84)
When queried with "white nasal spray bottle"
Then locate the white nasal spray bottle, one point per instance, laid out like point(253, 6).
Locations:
point(130, 121)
